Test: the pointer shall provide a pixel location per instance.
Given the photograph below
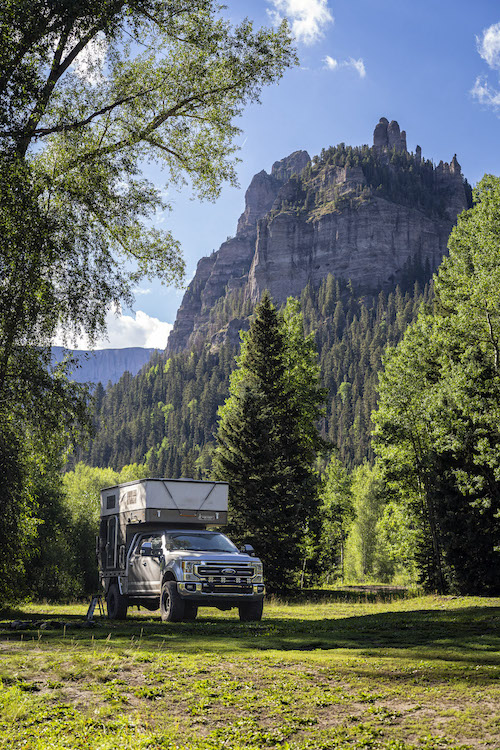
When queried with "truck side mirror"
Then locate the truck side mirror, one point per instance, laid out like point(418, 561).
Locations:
point(247, 549)
point(146, 549)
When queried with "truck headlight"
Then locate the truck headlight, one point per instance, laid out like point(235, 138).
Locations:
point(258, 569)
point(187, 567)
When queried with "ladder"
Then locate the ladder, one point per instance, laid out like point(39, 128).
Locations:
point(97, 601)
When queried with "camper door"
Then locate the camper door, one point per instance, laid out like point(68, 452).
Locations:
point(112, 543)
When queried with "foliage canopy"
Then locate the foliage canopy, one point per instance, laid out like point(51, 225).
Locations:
point(89, 94)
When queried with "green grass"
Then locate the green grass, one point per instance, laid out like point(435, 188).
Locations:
point(327, 674)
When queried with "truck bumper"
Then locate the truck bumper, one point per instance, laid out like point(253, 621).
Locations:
point(209, 593)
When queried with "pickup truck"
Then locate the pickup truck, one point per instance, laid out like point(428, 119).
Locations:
point(177, 564)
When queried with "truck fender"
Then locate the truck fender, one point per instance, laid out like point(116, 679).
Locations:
point(168, 575)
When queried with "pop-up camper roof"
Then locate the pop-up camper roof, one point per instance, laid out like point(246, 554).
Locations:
point(167, 501)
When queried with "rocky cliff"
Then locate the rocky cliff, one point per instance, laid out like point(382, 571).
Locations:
point(362, 213)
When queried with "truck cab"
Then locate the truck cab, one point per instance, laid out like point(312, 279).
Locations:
point(164, 554)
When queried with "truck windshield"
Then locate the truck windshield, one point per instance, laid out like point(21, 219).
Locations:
point(207, 542)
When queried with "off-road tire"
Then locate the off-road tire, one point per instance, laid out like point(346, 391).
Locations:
point(171, 604)
point(190, 611)
point(116, 603)
point(251, 611)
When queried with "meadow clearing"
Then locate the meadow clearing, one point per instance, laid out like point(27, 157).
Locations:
point(328, 670)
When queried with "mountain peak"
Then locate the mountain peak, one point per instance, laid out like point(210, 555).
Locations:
point(293, 164)
point(387, 136)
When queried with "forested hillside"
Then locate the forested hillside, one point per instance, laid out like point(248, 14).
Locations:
point(167, 414)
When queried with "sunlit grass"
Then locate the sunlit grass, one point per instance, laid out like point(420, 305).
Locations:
point(414, 672)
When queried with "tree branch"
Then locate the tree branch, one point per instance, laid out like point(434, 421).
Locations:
point(493, 339)
point(64, 127)
point(144, 134)
point(58, 68)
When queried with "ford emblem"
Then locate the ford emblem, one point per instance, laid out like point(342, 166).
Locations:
point(228, 571)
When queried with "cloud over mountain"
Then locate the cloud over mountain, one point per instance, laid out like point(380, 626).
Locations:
point(308, 18)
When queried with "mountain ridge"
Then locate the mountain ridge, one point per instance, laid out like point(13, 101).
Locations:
point(103, 365)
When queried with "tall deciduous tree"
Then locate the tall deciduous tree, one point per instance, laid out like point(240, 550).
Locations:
point(267, 441)
point(437, 426)
point(336, 514)
point(90, 92)
point(368, 499)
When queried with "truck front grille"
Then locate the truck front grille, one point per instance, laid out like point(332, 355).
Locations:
point(219, 572)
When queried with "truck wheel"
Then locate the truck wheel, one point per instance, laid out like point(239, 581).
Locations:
point(171, 604)
point(190, 611)
point(251, 611)
point(116, 603)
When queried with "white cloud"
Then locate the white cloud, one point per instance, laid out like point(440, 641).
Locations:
point(138, 290)
point(308, 18)
point(489, 45)
point(485, 94)
point(160, 216)
point(331, 63)
point(357, 65)
point(125, 331)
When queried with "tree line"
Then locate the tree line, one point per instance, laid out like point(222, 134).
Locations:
point(167, 414)
point(398, 176)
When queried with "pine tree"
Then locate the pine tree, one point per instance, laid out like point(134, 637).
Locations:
point(267, 442)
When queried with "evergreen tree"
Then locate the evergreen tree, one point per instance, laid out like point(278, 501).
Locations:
point(267, 442)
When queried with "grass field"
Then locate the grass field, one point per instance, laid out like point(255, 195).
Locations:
point(330, 672)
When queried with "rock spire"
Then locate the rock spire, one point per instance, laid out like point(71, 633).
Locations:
point(387, 136)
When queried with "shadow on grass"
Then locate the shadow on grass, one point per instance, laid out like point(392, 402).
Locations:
point(468, 637)
point(8, 614)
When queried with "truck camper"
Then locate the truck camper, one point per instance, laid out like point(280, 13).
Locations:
point(160, 546)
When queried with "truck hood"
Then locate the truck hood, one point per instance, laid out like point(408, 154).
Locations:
point(225, 558)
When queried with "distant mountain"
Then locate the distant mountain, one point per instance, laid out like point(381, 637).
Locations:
point(104, 365)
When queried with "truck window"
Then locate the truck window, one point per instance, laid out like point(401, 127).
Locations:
point(156, 545)
point(201, 542)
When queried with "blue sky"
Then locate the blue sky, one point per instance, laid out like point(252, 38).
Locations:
point(432, 66)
